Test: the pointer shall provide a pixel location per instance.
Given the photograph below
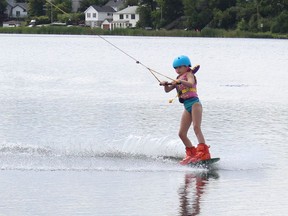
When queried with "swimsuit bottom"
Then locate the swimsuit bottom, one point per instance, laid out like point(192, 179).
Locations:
point(188, 103)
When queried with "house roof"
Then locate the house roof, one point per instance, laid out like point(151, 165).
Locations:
point(115, 3)
point(22, 5)
point(103, 8)
point(129, 10)
point(10, 2)
point(13, 4)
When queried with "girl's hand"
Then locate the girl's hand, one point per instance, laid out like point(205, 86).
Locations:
point(176, 82)
point(163, 83)
point(167, 86)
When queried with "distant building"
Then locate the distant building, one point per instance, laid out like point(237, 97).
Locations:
point(106, 24)
point(12, 23)
point(19, 10)
point(107, 18)
point(10, 5)
point(96, 15)
point(16, 10)
point(126, 18)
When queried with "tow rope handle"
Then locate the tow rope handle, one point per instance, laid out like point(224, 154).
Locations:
point(194, 70)
point(168, 84)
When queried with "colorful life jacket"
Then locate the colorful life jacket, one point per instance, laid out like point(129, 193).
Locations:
point(185, 92)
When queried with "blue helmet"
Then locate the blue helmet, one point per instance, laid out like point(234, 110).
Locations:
point(181, 60)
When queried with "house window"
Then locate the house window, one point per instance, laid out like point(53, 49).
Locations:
point(127, 16)
point(94, 15)
point(17, 13)
point(121, 16)
point(132, 16)
point(88, 15)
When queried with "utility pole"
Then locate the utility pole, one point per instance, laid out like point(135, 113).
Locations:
point(257, 8)
point(51, 13)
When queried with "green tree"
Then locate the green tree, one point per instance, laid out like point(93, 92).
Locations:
point(64, 5)
point(3, 5)
point(150, 3)
point(271, 8)
point(281, 24)
point(131, 3)
point(72, 18)
point(36, 8)
point(253, 23)
point(157, 15)
point(84, 4)
point(42, 20)
point(246, 11)
point(226, 19)
point(223, 4)
point(172, 10)
point(198, 13)
point(145, 17)
point(149, 14)
point(58, 7)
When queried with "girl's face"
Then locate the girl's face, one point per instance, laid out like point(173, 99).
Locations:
point(181, 69)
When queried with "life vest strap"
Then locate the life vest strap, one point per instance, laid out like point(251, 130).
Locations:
point(187, 90)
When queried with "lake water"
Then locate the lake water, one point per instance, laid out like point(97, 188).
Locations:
point(84, 129)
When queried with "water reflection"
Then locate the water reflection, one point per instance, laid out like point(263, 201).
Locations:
point(191, 191)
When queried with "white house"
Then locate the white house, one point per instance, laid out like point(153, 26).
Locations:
point(106, 24)
point(16, 10)
point(95, 15)
point(19, 10)
point(10, 5)
point(126, 18)
point(12, 23)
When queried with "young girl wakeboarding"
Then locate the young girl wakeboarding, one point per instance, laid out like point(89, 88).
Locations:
point(185, 85)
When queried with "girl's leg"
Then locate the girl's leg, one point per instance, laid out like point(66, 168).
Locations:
point(202, 150)
point(185, 124)
point(197, 119)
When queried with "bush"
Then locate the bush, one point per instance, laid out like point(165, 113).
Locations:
point(281, 24)
point(76, 30)
point(73, 18)
point(242, 25)
point(42, 20)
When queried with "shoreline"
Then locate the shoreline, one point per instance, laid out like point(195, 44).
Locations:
point(75, 30)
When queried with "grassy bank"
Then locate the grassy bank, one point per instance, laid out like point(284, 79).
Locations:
point(140, 32)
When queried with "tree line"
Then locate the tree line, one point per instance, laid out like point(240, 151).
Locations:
point(244, 15)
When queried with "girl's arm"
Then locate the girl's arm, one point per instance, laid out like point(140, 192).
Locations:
point(190, 80)
point(167, 87)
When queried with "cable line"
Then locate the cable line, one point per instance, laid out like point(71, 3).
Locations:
point(153, 72)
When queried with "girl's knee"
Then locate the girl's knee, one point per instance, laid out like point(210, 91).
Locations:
point(196, 129)
point(182, 135)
